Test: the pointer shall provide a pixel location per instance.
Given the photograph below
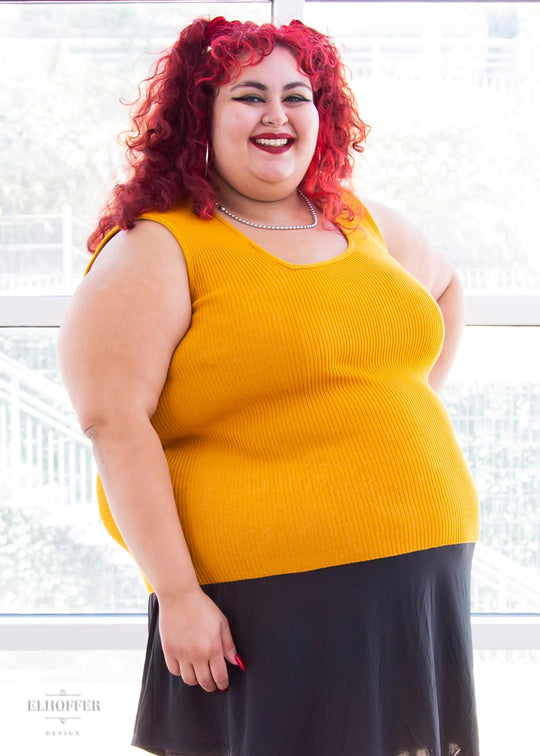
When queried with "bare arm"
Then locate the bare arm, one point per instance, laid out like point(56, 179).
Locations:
point(116, 343)
point(451, 304)
point(416, 254)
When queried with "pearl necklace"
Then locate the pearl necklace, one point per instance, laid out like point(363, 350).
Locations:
point(276, 228)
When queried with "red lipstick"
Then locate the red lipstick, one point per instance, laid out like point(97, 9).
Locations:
point(272, 142)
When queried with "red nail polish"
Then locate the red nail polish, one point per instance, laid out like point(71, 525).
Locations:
point(224, 690)
point(241, 663)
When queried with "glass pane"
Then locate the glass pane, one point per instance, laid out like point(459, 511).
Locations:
point(494, 398)
point(64, 67)
point(55, 555)
point(452, 92)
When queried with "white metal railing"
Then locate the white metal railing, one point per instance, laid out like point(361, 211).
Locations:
point(38, 254)
point(40, 442)
point(508, 582)
point(488, 62)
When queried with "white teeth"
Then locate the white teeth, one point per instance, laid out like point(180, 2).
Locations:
point(272, 142)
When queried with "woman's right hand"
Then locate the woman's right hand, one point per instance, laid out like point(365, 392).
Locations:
point(196, 640)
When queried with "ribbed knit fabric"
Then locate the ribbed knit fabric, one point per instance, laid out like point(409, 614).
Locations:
point(297, 419)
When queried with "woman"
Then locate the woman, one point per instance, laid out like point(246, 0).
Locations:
point(251, 354)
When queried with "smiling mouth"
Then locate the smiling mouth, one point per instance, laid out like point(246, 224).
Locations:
point(274, 145)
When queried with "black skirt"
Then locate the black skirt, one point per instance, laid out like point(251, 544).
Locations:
point(365, 659)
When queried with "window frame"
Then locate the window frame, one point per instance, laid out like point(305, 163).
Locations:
point(27, 311)
point(128, 631)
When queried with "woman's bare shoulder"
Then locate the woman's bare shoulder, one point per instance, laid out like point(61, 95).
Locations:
point(143, 245)
point(125, 320)
point(144, 264)
point(407, 244)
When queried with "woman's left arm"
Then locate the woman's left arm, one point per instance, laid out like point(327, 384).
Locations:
point(451, 304)
point(408, 245)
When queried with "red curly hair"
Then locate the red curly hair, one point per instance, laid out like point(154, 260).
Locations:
point(168, 144)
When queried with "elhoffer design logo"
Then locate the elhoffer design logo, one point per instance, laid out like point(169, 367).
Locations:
point(64, 709)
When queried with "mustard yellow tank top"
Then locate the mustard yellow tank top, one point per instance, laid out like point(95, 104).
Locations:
point(297, 419)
